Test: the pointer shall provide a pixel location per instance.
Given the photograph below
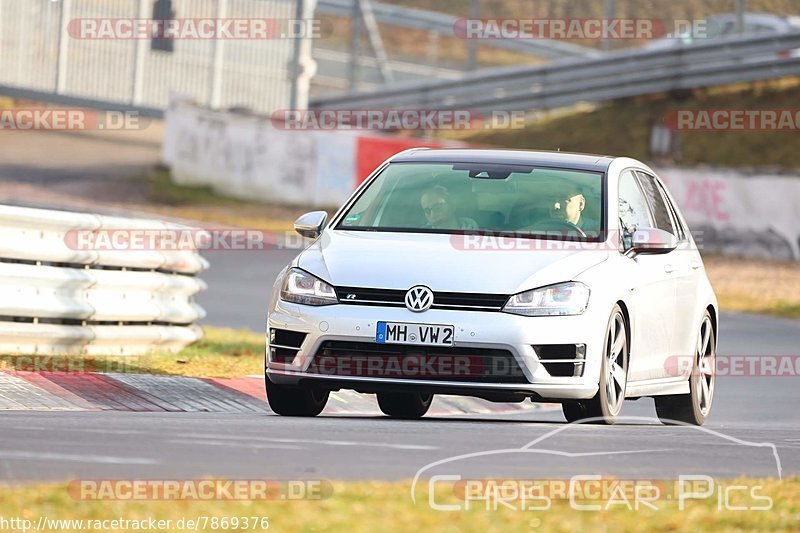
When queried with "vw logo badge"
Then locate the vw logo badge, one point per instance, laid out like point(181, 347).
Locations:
point(419, 299)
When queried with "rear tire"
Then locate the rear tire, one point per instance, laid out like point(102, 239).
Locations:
point(406, 405)
point(295, 401)
point(695, 407)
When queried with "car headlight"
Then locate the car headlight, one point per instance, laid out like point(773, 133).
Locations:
point(302, 288)
point(556, 300)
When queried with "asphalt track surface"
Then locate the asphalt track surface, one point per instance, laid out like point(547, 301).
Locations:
point(750, 416)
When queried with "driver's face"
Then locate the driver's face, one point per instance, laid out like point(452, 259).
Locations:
point(568, 208)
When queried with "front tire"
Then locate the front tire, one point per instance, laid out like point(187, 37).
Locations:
point(606, 406)
point(695, 407)
point(295, 401)
point(574, 411)
point(406, 405)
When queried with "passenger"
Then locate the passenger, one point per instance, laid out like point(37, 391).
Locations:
point(440, 211)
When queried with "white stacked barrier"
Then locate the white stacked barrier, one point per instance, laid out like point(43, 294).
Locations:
point(59, 298)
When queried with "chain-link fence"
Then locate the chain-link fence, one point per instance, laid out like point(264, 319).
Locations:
point(45, 47)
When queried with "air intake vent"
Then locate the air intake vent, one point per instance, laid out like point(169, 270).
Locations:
point(562, 360)
point(284, 345)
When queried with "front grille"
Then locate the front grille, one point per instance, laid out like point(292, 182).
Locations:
point(459, 301)
point(369, 359)
point(284, 345)
point(562, 360)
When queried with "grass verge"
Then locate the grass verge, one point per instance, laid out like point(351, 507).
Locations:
point(164, 190)
point(755, 285)
point(623, 128)
point(370, 506)
point(203, 204)
point(223, 353)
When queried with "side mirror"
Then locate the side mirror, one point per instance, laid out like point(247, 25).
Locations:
point(310, 225)
point(653, 241)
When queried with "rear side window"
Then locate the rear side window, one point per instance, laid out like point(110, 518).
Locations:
point(662, 217)
point(676, 221)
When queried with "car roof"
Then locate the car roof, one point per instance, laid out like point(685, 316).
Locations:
point(598, 163)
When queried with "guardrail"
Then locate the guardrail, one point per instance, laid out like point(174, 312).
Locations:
point(613, 75)
point(60, 297)
point(443, 24)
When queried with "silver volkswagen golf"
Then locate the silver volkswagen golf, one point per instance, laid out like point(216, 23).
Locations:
point(503, 275)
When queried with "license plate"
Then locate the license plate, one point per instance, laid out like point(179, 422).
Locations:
point(422, 334)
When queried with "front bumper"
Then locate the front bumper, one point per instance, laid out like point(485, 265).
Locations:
point(473, 329)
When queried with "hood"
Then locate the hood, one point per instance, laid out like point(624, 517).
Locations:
point(447, 263)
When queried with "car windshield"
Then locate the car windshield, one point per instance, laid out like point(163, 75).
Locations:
point(485, 197)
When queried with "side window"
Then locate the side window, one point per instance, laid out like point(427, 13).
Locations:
point(661, 213)
point(633, 212)
point(676, 221)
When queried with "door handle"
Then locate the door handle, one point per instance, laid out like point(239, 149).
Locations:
point(669, 269)
point(696, 265)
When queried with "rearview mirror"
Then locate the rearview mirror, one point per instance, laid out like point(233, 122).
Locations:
point(653, 241)
point(310, 225)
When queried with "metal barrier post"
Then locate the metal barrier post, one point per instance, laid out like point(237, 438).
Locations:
point(303, 66)
point(138, 62)
point(217, 61)
point(63, 47)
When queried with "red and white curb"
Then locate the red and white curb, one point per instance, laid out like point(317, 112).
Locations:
point(53, 391)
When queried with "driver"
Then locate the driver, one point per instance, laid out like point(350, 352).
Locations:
point(569, 206)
